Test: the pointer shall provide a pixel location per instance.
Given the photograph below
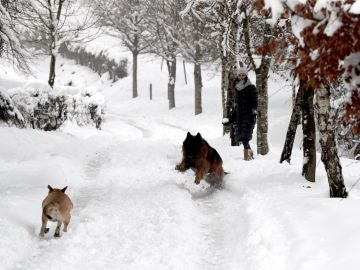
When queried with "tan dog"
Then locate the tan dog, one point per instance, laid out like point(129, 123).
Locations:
point(56, 207)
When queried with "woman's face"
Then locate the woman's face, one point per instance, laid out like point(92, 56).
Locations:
point(241, 76)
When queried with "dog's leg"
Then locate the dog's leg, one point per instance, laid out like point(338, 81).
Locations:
point(201, 171)
point(66, 223)
point(57, 230)
point(43, 229)
point(219, 174)
point(181, 167)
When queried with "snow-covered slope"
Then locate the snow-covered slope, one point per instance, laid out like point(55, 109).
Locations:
point(132, 210)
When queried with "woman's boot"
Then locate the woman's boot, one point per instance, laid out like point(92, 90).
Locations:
point(248, 154)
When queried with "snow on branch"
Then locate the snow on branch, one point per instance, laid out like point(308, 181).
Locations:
point(10, 46)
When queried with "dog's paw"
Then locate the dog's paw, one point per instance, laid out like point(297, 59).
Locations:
point(46, 230)
point(197, 181)
point(57, 235)
point(180, 168)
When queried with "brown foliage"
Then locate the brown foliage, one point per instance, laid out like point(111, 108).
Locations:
point(321, 55)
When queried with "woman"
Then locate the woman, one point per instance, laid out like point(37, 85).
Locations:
point(245, 110)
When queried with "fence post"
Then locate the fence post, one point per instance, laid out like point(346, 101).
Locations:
point(150, 91)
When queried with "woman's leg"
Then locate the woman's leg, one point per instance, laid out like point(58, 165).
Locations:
point(248, 154)
point(246, 144)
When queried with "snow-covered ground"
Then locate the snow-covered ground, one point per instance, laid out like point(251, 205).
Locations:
point(132, 210)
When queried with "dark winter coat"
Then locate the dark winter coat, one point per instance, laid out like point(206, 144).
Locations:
point(244, 116)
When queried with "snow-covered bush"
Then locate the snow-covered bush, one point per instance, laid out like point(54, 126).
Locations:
point(8, 111)
point(100, 63)
point(39, 106)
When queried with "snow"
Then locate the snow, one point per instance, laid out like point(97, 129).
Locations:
point(355, 8)
point(352, 60)
point(298, 24)
point(276, 9)
point(132, 210)
point(110, 46)
point(329, 18)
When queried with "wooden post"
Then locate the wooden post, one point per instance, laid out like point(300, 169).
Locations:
point(150, 91)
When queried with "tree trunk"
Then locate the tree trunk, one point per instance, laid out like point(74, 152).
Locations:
point(228, 95)
point(309, 134)
point(1, 45)
point(51, 80)
point(262, 114)
point(171, 83)
point(197, 80)
point(329, 155)
point(290, 135)
point(134, 77)
point(224, 88)
point(4, 4)
point(53, 36)
point(185, 77)
point(229, 50)
point(198, 88)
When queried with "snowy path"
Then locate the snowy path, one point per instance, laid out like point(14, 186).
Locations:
point(130, 211)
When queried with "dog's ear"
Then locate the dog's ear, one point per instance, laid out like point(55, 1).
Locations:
point(50, 188)
point(63, 190)
point(188, 135)
point(198, 136)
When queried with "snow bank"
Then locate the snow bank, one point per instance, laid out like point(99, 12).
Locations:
point(37, 105)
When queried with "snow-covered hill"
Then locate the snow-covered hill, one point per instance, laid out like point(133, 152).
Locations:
point(132, 210)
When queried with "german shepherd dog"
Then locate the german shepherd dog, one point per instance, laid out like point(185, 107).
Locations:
point(56, 207)
point(200, 156)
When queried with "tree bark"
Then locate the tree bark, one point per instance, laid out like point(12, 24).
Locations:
point(229, 50)
point(134, 74)
point(262, 113)
point(1, 45)
point(4, 3)
point(185, 77)
point(171, 83)
point(51, 80)
point(329, 155)
point(198, 88)
point(224, 87)
point(228, 79)
point(52, 29)
point(197, 81)
point(291, 132)
point(309, 134)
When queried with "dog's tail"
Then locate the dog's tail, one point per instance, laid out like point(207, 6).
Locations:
point(51, 211)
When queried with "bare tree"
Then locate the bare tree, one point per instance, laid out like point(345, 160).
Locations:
point(196, 47)
point(126, 19)
point(259, 33)
point(54, 21)
point(164, 22)
point(223, 20)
